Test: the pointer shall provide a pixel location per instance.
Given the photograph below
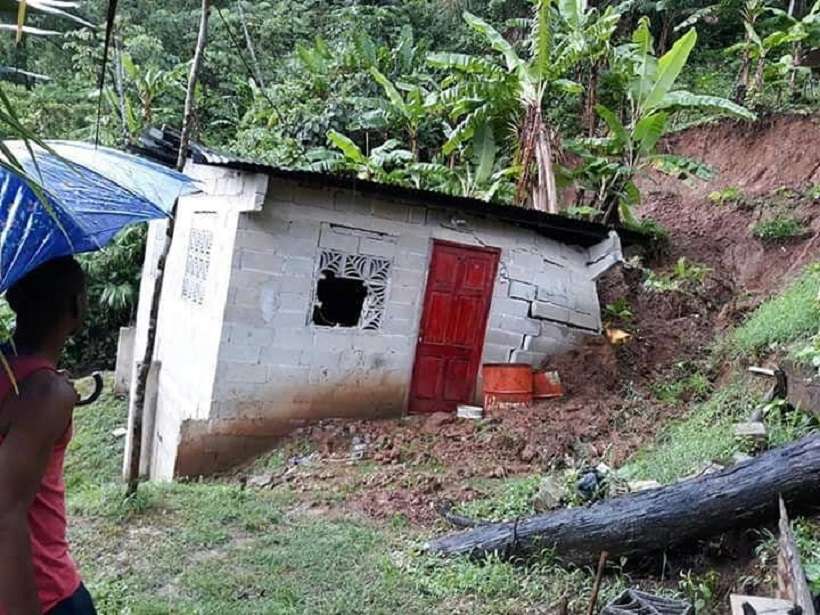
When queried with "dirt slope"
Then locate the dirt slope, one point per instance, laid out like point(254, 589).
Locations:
point(776, 154)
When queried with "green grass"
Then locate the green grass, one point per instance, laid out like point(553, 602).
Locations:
point(509, 499)
point(693, 386)
point(212, 547)
point(779, 229)
point(807, 536)
point(705, 435)
point(494, 585)
point(216, 548)
point(787, 318)
point(95, 454)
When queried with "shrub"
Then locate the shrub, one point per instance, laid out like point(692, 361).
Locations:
point(693, 387)
point(113, 291)
point(620, 310)
point(657, 233)
point(728, 196)
point(778, 229)
point(685, 276)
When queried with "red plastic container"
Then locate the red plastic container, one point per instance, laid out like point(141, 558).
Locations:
point(507, 384)
point(547, 385)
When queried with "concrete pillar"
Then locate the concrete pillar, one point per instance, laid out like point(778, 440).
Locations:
point(125, 360)
point(148, 420)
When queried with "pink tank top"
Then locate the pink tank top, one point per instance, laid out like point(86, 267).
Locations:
point(56, 574)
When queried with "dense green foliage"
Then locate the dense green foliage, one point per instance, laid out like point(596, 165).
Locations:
point(113, 277)
point(446, 84)
point(779, 228)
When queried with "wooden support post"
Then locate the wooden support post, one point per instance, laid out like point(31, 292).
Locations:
point(791, 579)
point(596, 588)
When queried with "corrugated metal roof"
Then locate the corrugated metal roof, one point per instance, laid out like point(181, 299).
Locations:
point(162, 145)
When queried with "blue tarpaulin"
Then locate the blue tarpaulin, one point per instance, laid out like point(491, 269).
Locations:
point(91, 193)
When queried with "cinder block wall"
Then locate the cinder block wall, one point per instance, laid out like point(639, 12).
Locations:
point(189, 328)
point(244, 365)
point(275, 364)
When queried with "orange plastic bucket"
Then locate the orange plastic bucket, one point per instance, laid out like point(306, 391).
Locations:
point(547, 385)
point(507, 383)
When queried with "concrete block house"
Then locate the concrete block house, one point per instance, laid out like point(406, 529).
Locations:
point(295, 296)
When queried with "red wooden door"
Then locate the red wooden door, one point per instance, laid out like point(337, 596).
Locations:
point(451, 339)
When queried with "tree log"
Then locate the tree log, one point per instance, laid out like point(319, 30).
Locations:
point(659, 519)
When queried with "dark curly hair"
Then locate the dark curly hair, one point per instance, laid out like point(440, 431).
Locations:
point(47, 294)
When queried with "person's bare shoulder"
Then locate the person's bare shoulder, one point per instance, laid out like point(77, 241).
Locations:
point(47, 398)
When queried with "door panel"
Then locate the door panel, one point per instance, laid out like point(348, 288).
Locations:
point(429, 372)
point(457, 385)
point(439, 305)
point(451, 339)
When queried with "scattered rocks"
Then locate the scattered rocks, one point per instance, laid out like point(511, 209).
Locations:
point(528, 454)
point(473, 413)
point(754, 430)
point(358, 451)
point(261, 481)
point(119, 432)
point(389, 455)
point(642, 485)
point(498, 472)
point(551, 494)
point(589, 484)
point(741, 458)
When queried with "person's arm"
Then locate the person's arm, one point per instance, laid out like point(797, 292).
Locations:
point(41, 414)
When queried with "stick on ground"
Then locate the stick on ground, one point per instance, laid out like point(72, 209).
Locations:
point(596, 588)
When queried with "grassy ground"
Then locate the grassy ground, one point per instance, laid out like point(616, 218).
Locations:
point(210, 547)
point(786, 319)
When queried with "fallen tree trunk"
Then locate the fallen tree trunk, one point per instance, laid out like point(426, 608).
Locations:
point(653, 521)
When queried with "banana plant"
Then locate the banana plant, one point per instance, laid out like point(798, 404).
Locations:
point(148, 84)
point(408, 105)
point(795, 32)
point(386, 163)
point(510, 89)
point(484, 175)
point(19, 9)
point(611, 164)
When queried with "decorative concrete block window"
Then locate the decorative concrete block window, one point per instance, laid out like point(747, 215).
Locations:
point(197, 264)
point(351, 291)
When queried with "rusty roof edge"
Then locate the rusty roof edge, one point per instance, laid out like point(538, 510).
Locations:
point(554, 226)
point(163, 143)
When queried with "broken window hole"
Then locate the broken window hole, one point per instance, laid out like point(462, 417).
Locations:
point(339, 301)
point(351, 291)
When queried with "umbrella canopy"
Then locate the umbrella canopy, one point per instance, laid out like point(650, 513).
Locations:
point(90, 193)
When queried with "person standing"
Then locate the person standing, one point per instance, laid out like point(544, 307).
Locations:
point(37, 573)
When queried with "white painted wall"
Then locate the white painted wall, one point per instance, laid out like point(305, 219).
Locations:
point(189, 334)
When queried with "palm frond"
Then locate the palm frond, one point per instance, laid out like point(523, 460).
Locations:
point(542, 37)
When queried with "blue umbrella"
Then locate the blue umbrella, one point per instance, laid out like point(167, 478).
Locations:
point(91, 194)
